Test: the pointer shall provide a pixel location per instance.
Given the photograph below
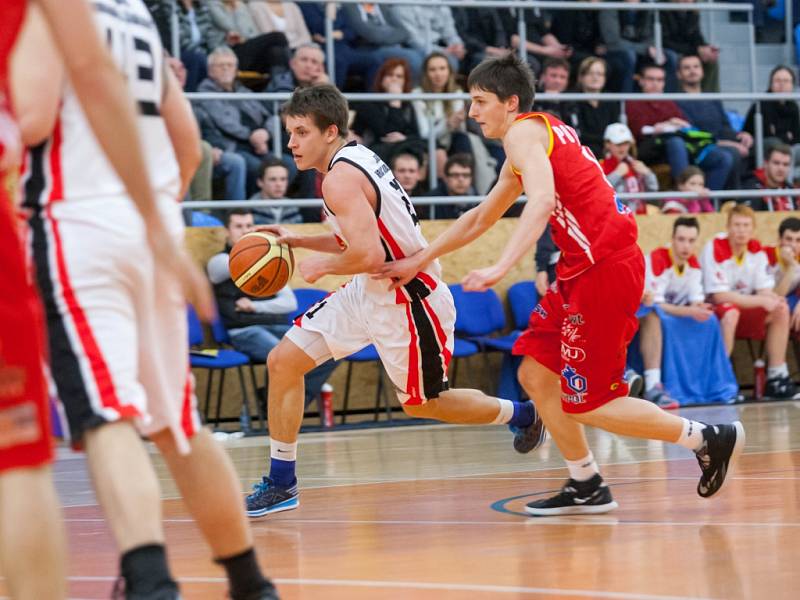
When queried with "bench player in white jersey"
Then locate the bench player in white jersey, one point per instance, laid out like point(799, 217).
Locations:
point(117, 319)
point(738, 281)
point(411, 327)
point(784, 261)
point(674, 282)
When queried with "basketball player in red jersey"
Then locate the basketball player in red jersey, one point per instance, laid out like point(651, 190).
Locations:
point(574, 349)
point(31, 536)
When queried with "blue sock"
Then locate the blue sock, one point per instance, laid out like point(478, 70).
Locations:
point(282, 472)
point(524, 414)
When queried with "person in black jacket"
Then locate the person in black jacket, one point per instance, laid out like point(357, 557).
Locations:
point(593, 116)
point(781, 118)
point(545, 259)
point(682, 34)
point(483, 34)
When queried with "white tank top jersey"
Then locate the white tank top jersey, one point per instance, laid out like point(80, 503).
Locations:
point(74, 161)
point(398, 227)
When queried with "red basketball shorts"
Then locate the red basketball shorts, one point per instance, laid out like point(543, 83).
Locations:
point(752, 322)
point(581, 329)
point(25, 439)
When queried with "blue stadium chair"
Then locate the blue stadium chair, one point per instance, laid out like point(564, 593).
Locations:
point(479, 318)
point(201, 219)
point(216, 360)
point(522, 299)
point(365, 355)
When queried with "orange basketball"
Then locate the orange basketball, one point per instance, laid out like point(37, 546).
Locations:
point(259, 265)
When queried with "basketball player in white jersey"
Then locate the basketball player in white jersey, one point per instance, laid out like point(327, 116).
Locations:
point(411, 328)
point(116, 318)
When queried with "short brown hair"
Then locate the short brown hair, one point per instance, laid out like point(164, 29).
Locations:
point(780, 149)
point(741, 210)
point(462, 160)
point(505, 77)
point(324, 103)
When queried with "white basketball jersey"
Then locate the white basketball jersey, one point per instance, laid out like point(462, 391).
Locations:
point(398, 226)
point(76, 165)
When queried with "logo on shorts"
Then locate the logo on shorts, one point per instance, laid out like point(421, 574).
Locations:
point(576, 383)
point(539, 310)
point(571, 354)
point(621, 208)
point(576, 319)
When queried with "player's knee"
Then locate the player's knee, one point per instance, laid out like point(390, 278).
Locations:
point(730, 319)
point(278, 360)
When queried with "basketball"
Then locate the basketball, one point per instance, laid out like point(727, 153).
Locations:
point(259, 265)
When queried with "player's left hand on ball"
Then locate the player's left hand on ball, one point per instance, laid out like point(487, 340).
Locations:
point(481, 279)
point(311, 268)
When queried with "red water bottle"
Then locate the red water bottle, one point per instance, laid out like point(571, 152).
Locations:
point(326, 400)
point(759, 379)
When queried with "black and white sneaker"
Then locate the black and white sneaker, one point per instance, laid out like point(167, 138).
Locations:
point(780, 388)
point(589, 497)
point(722, 445)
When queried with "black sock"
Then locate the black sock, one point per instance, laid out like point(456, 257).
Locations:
point(244, 574)
point(145, 569)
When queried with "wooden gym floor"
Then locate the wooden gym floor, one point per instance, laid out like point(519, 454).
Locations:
point(437, 512)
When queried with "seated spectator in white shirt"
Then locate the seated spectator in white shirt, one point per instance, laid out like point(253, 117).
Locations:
point(737, 278)
point(273, 181)
point(784, 260)
point(674, 282)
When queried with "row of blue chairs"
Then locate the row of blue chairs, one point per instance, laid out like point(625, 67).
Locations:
point(480, 323)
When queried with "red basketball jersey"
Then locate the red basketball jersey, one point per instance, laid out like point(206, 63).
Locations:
point(588, 222)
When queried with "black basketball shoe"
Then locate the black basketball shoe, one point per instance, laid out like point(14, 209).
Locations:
point(722, 445)
point(589, 497)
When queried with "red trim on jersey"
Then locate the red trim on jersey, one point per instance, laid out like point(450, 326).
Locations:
point(660, 260)
point(439, 333)
point(187, 423)
point(693, 262)
point(412, 383)
point(393, 245)
point(102, 375)
point(427, 280)
point(772, 255)
point(753, 246)
point(56, 174)
point(723, 250)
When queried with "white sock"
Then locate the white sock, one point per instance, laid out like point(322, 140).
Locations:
point(691, 435)
point(652, 377)
point(779, 371)
point(282, 450)
point(506, 412)
point(584, 469)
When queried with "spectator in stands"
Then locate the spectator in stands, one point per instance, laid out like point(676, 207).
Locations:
point(657, 124)
point(343, 35)
point(781, 118)
point(284, 17)
point(255, 325)
point(773, 175)
point(306, 67)
point(784, 260)
point(593, 116)
point(623, 170)
point(676, 320)
point(554, 80)
point(379, 36)
point(445, 118)
point(540, 44)
point(579, 31)
point(233, 25)
point(709, 115)
point(632, 33)
point(483, 33)
point(389, 127)
point(273, 181)
point(195, 32)
point(457, 182)
point(682, 33)
point(431, 29)
point(692, 179)
point(407, 169)
point(233, 126)
point(545, 260)
point(737, 278)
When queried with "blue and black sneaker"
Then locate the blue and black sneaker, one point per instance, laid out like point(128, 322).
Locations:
point(531, 437)
point(269, 498)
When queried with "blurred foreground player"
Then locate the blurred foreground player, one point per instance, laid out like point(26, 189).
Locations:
point(107, 244)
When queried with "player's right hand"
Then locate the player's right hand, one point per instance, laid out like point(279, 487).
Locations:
point(169, 256)
point(282, 235)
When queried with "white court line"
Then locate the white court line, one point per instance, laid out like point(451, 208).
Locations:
point(419, 585)
point(582, 519)
point(484, 474)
